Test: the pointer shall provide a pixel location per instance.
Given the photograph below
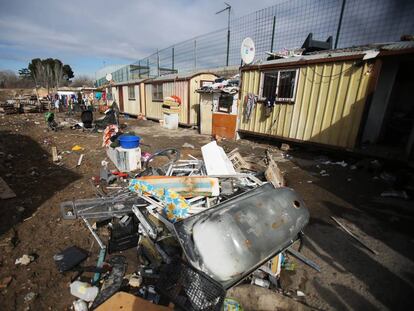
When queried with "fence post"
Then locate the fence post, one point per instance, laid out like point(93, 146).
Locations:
point(139, 69)
point(339, 24)
point(273, 33)
point(172, 57)
point(158, 63)
point(228, 46)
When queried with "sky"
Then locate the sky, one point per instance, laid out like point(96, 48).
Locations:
point(89, 34)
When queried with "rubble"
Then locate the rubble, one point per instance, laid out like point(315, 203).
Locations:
point(154, 211)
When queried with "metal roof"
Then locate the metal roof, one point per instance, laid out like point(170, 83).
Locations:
point(189, 74)
point(343, 52)
point(135, 81)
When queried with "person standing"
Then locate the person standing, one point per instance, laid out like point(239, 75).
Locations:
point(57, 102)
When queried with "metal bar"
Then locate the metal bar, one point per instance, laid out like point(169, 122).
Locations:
point(95, 235)
point(273, 33)
point(172, 49)
point(354, 236)
point(158, 63)
point(302, 258)
point(146, 224)
point(340, 23)
point(228, 44)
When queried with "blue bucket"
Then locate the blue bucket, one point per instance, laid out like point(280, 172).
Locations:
point(129, 141)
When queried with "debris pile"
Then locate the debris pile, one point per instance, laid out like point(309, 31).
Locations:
point(199, 227)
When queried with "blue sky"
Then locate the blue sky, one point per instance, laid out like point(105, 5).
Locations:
point(89, 34)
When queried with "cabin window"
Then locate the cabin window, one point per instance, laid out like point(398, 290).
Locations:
point(157, 92)
point(280, 85)
point(131, 92)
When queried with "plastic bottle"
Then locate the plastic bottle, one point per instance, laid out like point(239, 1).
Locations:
point(83, 290)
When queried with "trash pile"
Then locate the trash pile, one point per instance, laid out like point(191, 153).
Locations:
point(230, 86)
point(199, 227)
point(24, 104)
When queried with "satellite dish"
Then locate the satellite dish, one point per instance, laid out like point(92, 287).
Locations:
point(108, 77)
point(247, 50)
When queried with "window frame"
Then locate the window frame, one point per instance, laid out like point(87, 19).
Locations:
point(129, 93)
point(156, 99)
point(280, 99)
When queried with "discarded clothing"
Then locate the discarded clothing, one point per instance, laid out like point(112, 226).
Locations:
point(250, 101)
point(175, 206)
point(110, 131)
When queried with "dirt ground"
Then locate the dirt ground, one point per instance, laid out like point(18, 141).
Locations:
point(352, 277)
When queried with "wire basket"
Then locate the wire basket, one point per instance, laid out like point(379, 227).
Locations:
point(190, 289)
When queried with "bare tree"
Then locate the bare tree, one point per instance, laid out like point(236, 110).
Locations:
point(82, 80)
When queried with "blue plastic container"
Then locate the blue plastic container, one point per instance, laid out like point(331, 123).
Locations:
point(129, 141)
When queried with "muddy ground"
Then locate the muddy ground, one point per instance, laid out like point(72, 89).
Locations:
point(352, 277)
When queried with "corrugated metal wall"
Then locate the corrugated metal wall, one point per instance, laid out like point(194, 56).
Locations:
point(328, 108)
point(178, 88)
point(131, 106)
point(115, 95)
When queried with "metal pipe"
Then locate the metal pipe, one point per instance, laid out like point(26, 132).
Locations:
point(172, 56)
point(340, 23)
point(273, 33)
point(95, 235)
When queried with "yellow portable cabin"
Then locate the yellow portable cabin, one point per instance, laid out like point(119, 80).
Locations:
point(130, 96)
point(181, 85)
point(337, 98)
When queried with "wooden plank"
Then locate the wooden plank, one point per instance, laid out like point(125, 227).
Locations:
point(5, 191)
point(54, 154)
point(128, 302)
point(273, 174)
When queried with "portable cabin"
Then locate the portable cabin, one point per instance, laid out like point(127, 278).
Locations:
point(181, 85)
point(130, 96)
point(347, 99)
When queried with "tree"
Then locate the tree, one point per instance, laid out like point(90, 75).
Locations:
point(67, 72)
point(9, 79)
point(82, 80)
point(49, 72)
point(24, 74)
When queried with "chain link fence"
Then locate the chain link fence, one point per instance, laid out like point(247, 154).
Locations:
point(285, 26)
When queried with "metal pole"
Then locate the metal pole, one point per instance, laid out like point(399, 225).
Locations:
point(158, 63)
point(195, 54)
point(139, 69)
point(339, 24)
point(273, 33)
point(148, 68)
point(228, 38)
point(172, 58)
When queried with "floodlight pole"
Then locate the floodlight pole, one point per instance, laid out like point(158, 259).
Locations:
point(228, 8)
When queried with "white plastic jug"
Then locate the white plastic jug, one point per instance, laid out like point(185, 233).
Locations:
point(83, 290)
